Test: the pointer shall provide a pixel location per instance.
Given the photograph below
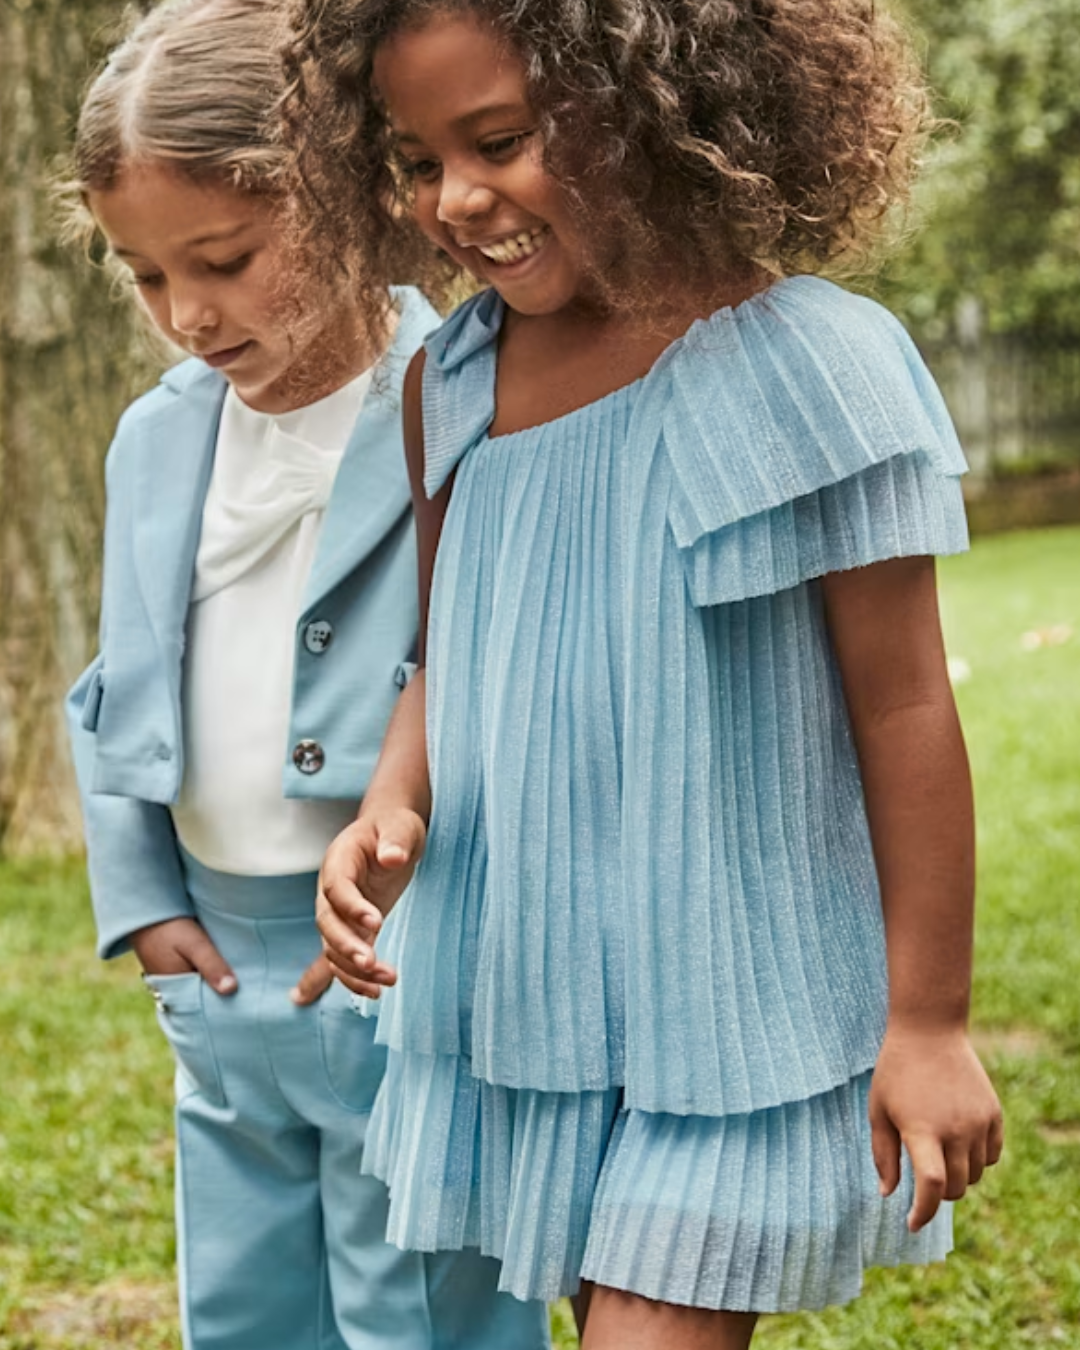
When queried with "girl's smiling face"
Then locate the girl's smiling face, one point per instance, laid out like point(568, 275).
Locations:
point(469, 142)
point(209, 266)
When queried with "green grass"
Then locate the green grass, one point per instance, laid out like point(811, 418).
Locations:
point(85, 1155)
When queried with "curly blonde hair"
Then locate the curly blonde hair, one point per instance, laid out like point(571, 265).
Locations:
point(714, 135)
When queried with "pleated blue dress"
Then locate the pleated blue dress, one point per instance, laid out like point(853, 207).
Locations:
point(642, 965)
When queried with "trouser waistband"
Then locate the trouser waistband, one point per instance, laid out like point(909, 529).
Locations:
point(275, 897)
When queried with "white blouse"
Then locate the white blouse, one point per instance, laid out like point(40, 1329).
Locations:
point(271, 481)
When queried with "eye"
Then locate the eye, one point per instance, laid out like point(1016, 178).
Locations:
point(426, 170)
point(505, 147)
point(234, 266)
point(149, 281)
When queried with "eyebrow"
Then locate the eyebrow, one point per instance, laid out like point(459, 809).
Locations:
point(466, 119)
point(220, 237)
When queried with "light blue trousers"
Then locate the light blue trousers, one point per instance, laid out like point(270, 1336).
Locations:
point(280, 1240)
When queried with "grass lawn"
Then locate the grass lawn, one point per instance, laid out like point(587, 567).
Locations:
point(85, 1152)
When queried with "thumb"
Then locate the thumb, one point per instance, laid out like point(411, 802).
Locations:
point(210, 963)
point(314, 982)
point(400, 839)
point(885, 1145)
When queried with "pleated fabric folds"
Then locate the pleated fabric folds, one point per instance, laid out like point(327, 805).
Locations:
point(647, 922)
point(773, 1211)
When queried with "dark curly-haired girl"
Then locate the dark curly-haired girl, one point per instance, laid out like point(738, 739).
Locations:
point(676, 1001)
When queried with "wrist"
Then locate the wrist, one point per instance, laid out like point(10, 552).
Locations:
point(381, 802)
point(911, 1023)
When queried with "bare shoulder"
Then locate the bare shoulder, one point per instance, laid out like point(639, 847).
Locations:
point(412, 421)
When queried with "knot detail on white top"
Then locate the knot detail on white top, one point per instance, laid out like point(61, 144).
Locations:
point(269, 472)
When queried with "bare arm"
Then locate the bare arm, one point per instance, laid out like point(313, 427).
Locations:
point(929, 1089)
point(370, 863)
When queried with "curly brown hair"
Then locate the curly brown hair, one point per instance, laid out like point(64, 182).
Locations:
point(714, 135)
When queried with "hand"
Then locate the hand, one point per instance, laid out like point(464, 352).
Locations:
point(314, 982)
point(364, 872)
point(179, 946)
point(930, 1092)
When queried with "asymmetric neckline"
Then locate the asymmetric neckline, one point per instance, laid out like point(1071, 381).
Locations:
point(611, 398)
point(498, 317)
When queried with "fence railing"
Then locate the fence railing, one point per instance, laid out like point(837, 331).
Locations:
point(1016, 404)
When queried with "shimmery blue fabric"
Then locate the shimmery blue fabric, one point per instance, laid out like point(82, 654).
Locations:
point(649, 870)
point(772, 1211)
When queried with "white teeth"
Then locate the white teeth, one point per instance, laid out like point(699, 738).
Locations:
point(515, 247)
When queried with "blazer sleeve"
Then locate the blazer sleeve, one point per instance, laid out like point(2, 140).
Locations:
point(136, 877)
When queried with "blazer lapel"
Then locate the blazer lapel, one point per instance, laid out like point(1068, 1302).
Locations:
point(173, 476)
point(371, 490)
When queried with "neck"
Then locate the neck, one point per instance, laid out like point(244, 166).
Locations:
point(337, 355)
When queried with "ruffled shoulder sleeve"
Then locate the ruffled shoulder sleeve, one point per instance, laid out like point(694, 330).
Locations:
point(805, 435)
point(459, 385)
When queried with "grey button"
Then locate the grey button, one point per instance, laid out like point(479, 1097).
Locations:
point(308, 756)
point(318, 635)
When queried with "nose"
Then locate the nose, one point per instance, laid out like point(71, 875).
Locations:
point(191, 310)
point(463, 197)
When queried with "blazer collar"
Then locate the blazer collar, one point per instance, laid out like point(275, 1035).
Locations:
point(371, 490)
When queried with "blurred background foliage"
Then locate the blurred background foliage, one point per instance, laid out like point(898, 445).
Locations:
point(1000, 202)
point(989, 284)
point(70, 359)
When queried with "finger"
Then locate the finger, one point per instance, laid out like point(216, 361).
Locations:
point(345, 867)
point(371, 991)
point(349, 905)
point(350, 944)
point(314, 982)
point(995, 1140)
point(885, 1144)
point(369, 986)
point(377, 972)
point(401, 840)
point(977, 1161)
point(209, 962)
point(928, 1161)
point(957, 1169)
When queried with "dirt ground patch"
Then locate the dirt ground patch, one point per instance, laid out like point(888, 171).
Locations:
point(119, 1313)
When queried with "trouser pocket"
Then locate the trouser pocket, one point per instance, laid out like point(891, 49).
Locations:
point(353, 1063)
point(182, 1017)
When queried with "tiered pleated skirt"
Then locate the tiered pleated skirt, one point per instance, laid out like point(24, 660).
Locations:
point(775, 1210)
point(642, 968)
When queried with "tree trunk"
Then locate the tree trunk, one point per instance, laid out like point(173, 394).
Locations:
point(70, 358)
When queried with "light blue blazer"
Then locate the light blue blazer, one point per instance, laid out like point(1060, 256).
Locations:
point(124, 712)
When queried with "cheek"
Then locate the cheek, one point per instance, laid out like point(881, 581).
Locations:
point(425, 209)
point(155, 305)
point(274, 305)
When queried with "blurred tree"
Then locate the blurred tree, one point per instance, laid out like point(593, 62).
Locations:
point(1001, 197)
point(70, 358)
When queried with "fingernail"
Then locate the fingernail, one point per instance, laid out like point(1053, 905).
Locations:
point(226, 984)
point(392, 853)
point(295, 994)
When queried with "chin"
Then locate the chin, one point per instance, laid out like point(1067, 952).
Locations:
point(260, 395)
point(539, 301)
